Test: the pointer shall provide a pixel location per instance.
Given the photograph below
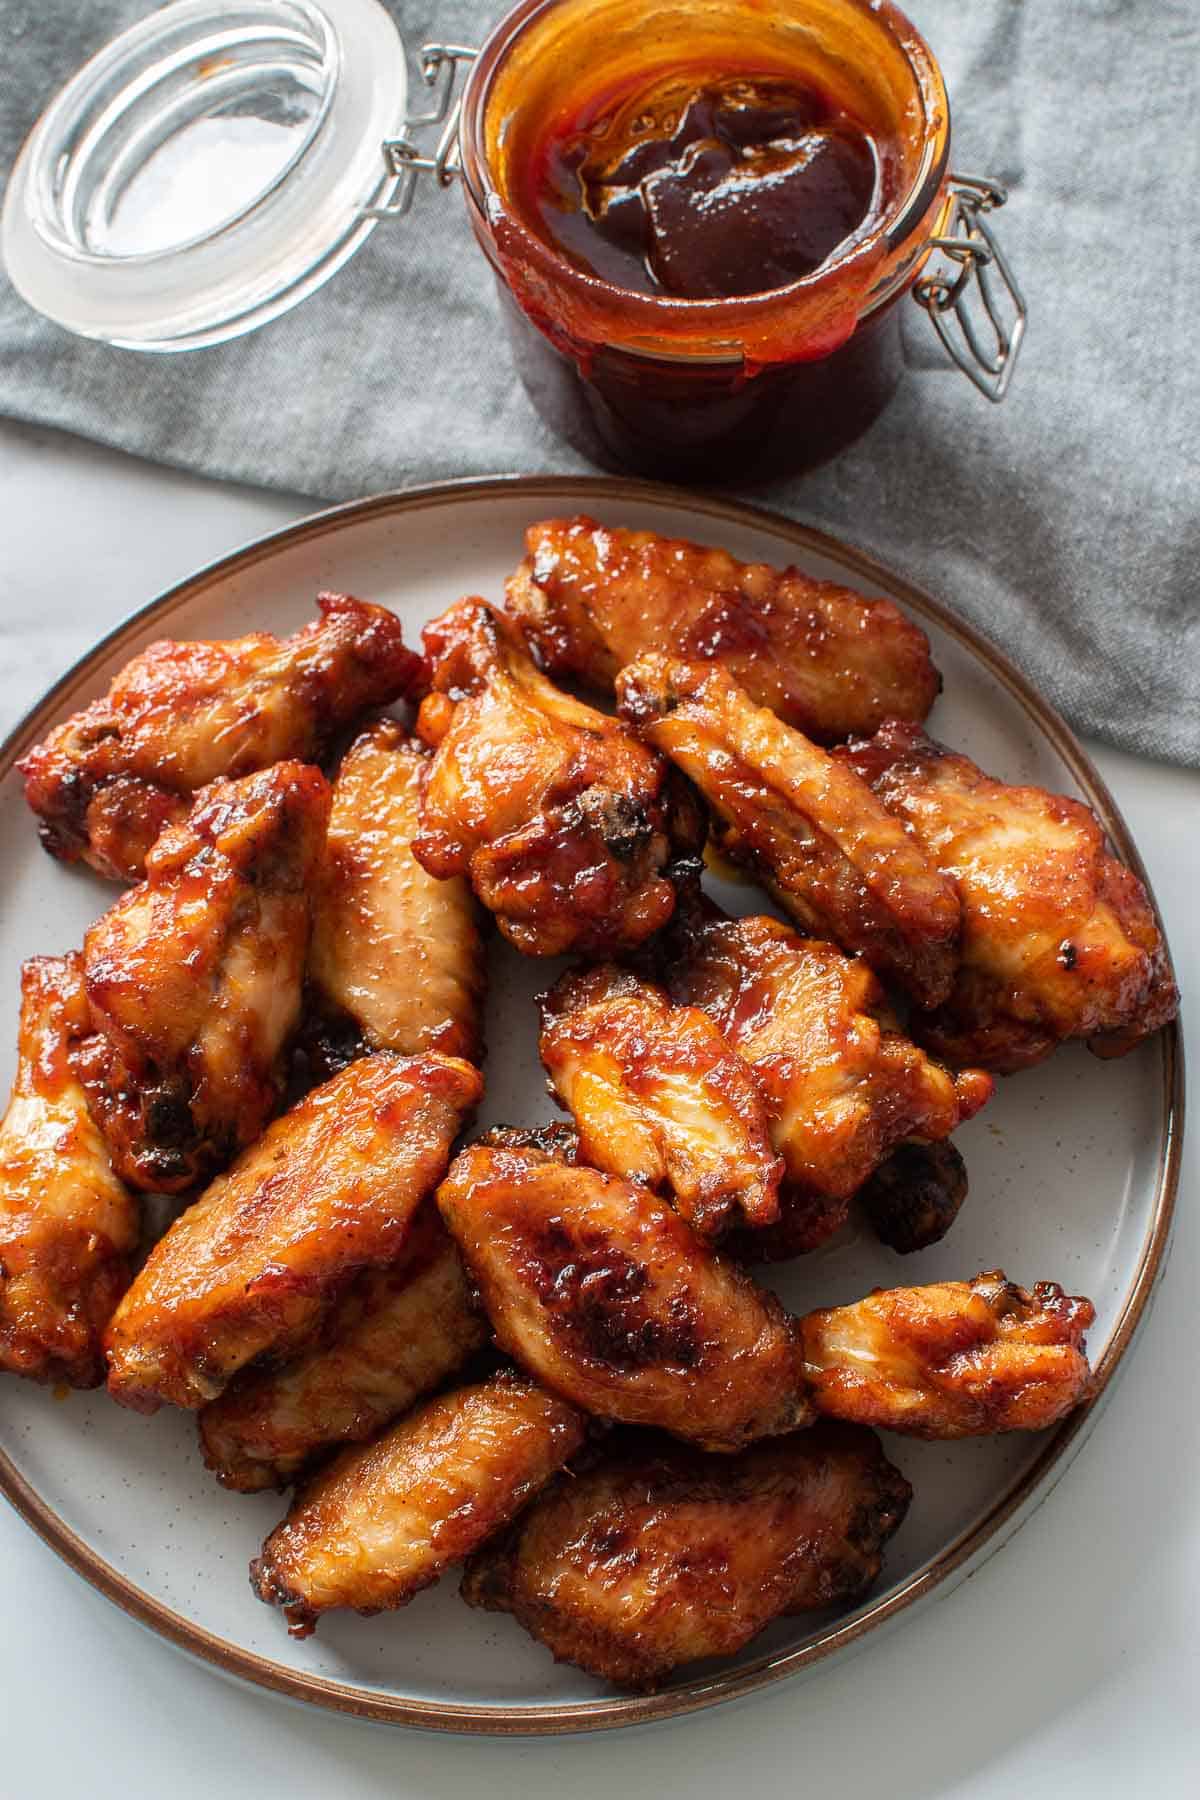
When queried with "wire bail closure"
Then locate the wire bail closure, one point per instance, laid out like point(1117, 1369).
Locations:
point(404, 161)
point(985, 349)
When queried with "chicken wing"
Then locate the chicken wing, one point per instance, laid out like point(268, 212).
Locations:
point(563, 821)
point(386, 1519)
point(609, 1298)
point(396, 961)
point(662, 1555)
point(843, 1085)
point(833, 856)
point(400, 1332)
point(107, 781)
point(68, 1226)
point(827, 661)
point(954, 1359)
point(659, 1097)
point(913, 1198)
point(194, 979)
point(1059, 938)
point(251, 1269)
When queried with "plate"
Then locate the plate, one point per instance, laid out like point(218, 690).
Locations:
point(1073, 1171)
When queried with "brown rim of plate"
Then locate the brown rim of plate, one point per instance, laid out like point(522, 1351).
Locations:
point(972, 1546)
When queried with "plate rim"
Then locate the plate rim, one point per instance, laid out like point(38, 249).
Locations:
point(973, 1545)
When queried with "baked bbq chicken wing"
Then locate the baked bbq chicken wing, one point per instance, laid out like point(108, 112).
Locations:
point(252, 1269)
point(194, 979)
point(106, 782)
point(954, 1359)
point(843, 1085)
point(836, 860)
point(1059, 938)
point(68, 1226)
point(563, 821)
point(660, 1097)
point(396, 961)
point(662, 1555)
point(591, 599)
point(607, 1296)
point(399, 1333)
point(386, 1519)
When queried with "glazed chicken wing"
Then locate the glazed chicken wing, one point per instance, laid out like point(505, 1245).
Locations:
point(563, 821)
point(662, 1555)
point(843, 1085)
point(833, 856)
point(386, 1519)
point(396, 961)
point(399, 1333)
point(106, 782)
point(659, 1097)
point(68, 1226)
point(827, 661)
point(954, 1359)
point(328, 1192)
point(609, 1298)
point(194, 979)
point(1059, 938)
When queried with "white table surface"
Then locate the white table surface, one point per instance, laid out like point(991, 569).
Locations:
point(1069, 1664)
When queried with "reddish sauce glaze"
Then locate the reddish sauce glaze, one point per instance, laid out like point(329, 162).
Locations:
point(705, 185)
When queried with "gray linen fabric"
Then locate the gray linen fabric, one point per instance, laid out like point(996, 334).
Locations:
point(1065, 523)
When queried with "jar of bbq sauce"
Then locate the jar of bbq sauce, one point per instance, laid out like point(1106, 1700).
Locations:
point(703, 215)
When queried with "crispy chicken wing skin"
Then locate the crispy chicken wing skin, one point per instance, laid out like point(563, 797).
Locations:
point(328, 1192)
point(194, 979)
point(399, 1333)
point(830, 852)
point(396, 961)
point(604, 1294)
point(659, 1097)
point(954, 1359)
point(563, 821)
point(662, 1555)
point(1059, 938)
point(106, 782)
point(68, 1226)
point(591, 599)
point(843, 1085)
point(386, 1519)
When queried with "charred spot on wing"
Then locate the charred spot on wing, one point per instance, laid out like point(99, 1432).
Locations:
point(593, 1296)
point(559, 1140)
point(331, 1040)
point(913, 1198)
point(623, 823)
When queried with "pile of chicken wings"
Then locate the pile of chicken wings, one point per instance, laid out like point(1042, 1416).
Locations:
point(542, 1354)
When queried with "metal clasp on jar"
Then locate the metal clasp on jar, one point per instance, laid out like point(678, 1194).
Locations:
point(977, 309)
point(404, 160)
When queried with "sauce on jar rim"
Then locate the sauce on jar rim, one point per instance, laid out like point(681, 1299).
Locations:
point(706, 184)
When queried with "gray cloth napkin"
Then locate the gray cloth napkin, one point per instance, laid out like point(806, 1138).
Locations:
point(1065, 523)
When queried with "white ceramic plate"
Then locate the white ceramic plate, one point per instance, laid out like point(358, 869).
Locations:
point(1072, 1167)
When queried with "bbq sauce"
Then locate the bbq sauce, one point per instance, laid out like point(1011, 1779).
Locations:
point(705, 186)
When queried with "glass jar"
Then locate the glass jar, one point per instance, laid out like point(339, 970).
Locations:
point(216, 163)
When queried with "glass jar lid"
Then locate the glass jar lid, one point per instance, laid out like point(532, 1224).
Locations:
point(206, 170)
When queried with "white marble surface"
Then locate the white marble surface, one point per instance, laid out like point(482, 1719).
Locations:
point(1067, 1665)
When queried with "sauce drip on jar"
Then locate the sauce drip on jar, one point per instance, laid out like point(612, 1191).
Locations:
point(706, 186)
